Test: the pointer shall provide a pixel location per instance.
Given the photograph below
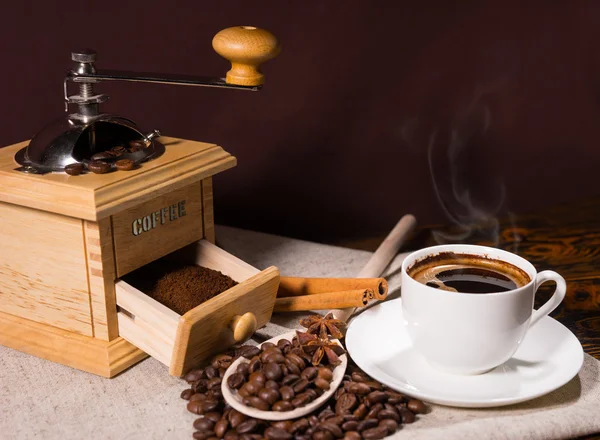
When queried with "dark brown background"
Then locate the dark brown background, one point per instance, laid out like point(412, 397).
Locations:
point(370, 107)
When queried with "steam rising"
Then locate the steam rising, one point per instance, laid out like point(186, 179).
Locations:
point(473, 205)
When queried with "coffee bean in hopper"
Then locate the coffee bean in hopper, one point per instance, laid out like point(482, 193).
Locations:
point(74, 169)
point(98, 167)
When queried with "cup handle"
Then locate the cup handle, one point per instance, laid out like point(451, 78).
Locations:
point(555, 299)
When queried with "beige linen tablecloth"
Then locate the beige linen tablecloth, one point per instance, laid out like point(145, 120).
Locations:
point(40, 399)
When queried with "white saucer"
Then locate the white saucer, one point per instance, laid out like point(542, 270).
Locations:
point(548, 358)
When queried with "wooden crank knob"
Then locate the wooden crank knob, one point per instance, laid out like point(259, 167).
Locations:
point(243, 326)
point(246, 47)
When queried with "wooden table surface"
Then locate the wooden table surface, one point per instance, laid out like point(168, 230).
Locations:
point(564, 238)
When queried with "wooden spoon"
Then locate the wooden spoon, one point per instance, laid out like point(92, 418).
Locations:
point(373, 269)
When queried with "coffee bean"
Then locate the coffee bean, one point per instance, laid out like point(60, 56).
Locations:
point(272, 371)
point(104, 155)
point(322, 383)
point(243, 391)
point(360, 377)
point(117, 150)
point(333, 428)
point(338, 393)
point(209, 405)
point(200, 386)
point(300, 386)
point(376, 433)
point(390, 424)
point(235, 418)
point(282, 405)
point(359, 388)
point(235, 381)
point(283, 424)
point(193, 376)
point(252, 387)
point(74, 169)
point(194, 407)
point(186, 394)
point(388, 414)
point(137, 145)
point(254, 365)
point(258, 376)
point(274, 433)
point(287, 393)
point(221, 428)
point(284, 369)
point(204, 424)
point(247, 426)
point(295, 359)
point(325, 373)
point(325, 414)
point(242, 369)
point(350, 426)
point(266, 353)
point(214, 383)
point(272, 385)
point(361, 411)
point(367, 424)
point(394, 398)
point(266, 345)
point(198, 397)
point(251, 437)
point(300, 400)
point(212, 415)
point(248, 351)
point(283, 345)
point(211, 372)
point(256, 402)
point(274, 357)
point(222, 360)
point(269, 395)
point(291, 367)
point(125, 165)
point(312, 393)
point(407, 415)
point(98, 167)
point(374, 411)
point(231, 435)
point(313, 421)
point(309, 373)
point(352, 435)
point(300, 425)
point(346, 403)
point(416, 406)
point(374, 385)
point(322, 435)
point(203, 435)
point(376, 397)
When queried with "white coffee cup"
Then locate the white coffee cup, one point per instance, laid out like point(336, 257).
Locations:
point(465, 333)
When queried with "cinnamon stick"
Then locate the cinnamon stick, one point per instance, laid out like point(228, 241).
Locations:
point(299, 286)
point(328, 300)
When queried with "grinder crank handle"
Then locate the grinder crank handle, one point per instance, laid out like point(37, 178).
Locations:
point(382, 257)
point(246, 47)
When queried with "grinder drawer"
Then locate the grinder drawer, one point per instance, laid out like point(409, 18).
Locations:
point(182, 341)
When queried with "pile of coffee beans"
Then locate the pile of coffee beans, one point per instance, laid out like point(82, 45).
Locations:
point(279, 377)
point(105, 161)
point(361, 408)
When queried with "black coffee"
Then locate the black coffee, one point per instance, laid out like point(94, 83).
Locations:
point(466, 273)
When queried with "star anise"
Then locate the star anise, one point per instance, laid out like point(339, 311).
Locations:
point(320, 349)
point(324, 325)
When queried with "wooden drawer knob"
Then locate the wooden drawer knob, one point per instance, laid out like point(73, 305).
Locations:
point(246, 47)
point(243, 326)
